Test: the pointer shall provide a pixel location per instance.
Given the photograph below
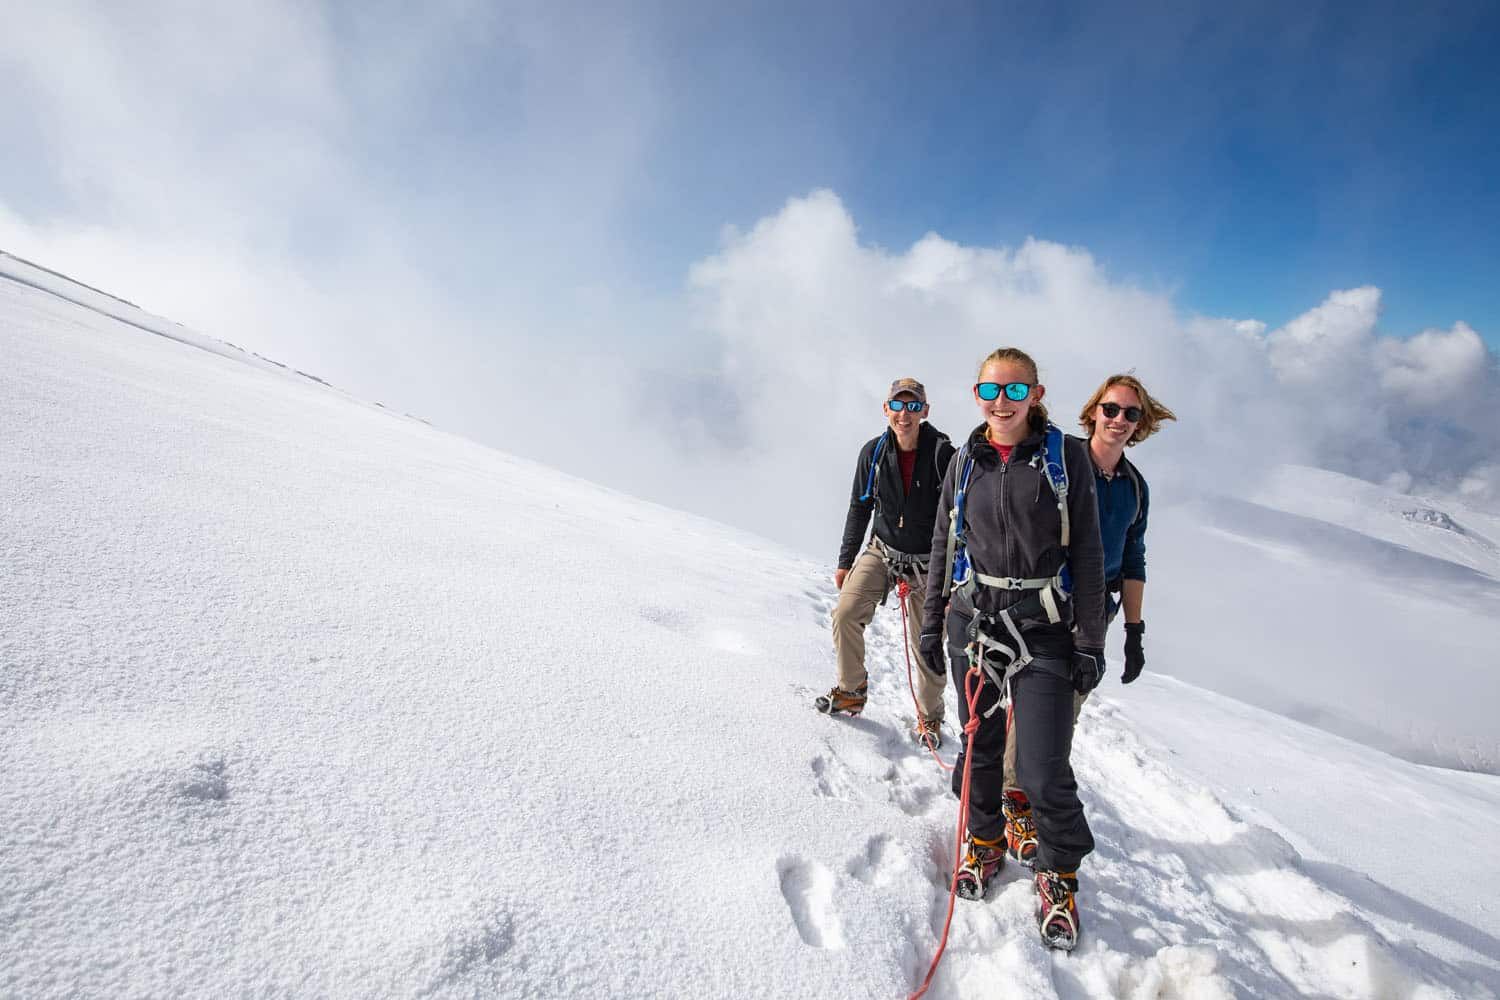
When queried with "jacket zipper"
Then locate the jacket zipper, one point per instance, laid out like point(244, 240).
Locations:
point(901, 513)
point(1005, 532)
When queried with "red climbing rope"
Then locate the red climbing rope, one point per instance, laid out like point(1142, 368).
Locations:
point(902, 590)
point(972, 680)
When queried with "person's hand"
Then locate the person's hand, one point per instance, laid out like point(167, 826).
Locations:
point(838, 578)
point(1135, 655)
point(1088, 669)
point(930, 646)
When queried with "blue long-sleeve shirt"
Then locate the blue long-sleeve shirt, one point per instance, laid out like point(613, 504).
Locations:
point(1122, 522)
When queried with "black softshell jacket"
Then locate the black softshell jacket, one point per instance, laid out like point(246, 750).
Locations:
point(1015, 529)
point(902, 520)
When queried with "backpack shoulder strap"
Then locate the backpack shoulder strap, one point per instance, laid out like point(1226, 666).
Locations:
point(1135, 482)
point(937, 451)
point(871, 481)
point(964, 463)
point(1055, 463)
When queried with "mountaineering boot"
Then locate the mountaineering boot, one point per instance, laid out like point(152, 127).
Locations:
point(929, 732)
point(840, 701)
point(1056, 912)
point(1020, 828)
point(982, 860)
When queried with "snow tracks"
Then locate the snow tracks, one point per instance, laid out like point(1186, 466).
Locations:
point(1183, 899)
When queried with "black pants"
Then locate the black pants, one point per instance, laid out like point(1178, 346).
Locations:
point(1042, 697)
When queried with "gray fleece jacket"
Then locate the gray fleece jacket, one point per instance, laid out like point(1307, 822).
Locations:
point(1015, 529)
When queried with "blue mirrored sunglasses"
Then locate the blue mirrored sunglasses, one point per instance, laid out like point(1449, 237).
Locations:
point(914, 405)
point(1014, 391)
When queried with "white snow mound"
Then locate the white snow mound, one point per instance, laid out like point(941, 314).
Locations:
point(300, 698)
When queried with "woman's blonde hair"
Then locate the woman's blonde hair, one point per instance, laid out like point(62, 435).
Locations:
point(1153, 412)
point(1037, 416)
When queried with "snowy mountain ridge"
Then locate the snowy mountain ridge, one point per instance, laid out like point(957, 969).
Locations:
point(33, 275)
point(302, 700)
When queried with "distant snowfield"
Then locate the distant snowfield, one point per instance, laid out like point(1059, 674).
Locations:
point(302, 698)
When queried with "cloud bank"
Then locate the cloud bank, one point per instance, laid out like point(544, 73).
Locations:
point(809, 324)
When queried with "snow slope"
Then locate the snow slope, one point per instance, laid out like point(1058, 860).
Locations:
point(1320, 600)
point(300, 698)
point(24, 272)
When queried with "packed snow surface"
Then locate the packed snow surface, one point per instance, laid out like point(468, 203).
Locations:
point(302, 698)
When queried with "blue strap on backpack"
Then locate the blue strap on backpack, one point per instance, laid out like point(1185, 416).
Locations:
point(1053, 460)
point(874, 465)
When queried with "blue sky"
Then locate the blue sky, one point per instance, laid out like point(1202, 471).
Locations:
point(1244, 161)
point(1247, 161)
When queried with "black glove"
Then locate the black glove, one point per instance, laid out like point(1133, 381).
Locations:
point(1135, 656)
point(1088, 669)
point(931, 648)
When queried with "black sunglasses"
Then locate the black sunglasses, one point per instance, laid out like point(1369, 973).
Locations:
point(914, 405)
point(1112, 410)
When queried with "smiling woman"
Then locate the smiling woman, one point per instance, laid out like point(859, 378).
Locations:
point(1017, 547)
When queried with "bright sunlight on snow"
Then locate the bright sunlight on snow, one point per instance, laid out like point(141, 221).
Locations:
point(302, 697)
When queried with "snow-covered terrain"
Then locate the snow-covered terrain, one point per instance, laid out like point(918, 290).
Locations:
point(303, 698)
point(1322, 601)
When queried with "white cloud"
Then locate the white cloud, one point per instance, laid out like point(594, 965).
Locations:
point(1436, 367)
point(1318, 345)
point(812, 324)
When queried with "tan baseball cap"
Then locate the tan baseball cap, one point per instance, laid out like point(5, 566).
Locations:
point(910, 385)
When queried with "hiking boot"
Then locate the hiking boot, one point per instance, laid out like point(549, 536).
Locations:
point(929, 733)
point(1056, 912)
point(838, 701)
point(982, 861)
point(1020, 828)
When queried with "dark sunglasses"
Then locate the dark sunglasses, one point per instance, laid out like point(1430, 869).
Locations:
point(1014, 391)
point(914, 405)
point(1112, 410)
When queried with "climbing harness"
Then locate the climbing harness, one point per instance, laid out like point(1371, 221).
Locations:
point(900, 567)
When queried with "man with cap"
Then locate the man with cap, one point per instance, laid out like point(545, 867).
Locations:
point(898, 480)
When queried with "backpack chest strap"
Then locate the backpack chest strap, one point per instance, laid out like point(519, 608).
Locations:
point(1016, 582)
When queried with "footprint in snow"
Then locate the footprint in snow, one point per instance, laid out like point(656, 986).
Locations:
point(807, 888)
point(831, 777)
point(671, 619)
point(881, 863)
point(469, 954)
point(205, 781)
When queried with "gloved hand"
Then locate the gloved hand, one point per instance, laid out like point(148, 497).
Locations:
point(1088, 669)
point(931, 648)
point(1135, 656)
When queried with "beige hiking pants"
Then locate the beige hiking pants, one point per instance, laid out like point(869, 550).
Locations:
point(863, 588)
